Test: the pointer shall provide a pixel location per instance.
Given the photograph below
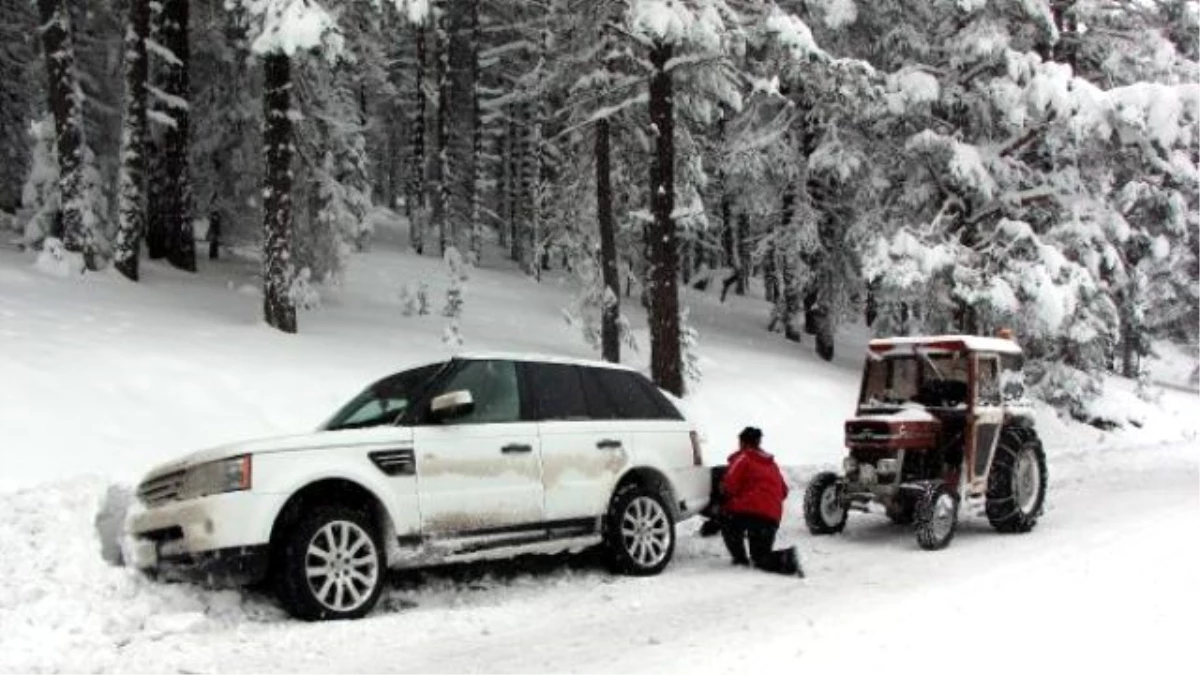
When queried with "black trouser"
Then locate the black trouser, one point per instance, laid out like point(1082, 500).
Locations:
point(738, 529)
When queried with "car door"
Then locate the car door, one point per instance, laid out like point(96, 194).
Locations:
point(479, 474)
point(584, 447)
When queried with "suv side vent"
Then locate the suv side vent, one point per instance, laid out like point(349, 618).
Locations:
point(395, 462)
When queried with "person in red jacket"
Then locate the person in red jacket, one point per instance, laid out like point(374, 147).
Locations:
point(752, 495)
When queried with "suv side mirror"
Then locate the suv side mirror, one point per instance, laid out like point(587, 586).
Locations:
point(450, 405)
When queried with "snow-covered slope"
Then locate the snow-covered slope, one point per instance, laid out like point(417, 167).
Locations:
point(100, 376)
point(99, 379)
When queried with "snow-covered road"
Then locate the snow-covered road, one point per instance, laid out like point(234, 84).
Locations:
point(1108, 579)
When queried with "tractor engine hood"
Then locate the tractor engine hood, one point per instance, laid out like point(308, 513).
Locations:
point(906, 429)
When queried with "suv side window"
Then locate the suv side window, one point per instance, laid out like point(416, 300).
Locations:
point(556, 391)
point(493, 387)
point(616, 394)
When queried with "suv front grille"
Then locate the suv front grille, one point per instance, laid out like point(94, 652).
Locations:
point(161, 489)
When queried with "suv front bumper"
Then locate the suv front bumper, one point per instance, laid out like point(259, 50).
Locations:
point(219, 539)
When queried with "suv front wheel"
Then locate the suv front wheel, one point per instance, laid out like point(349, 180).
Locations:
point(330, 565)
point(639, 531)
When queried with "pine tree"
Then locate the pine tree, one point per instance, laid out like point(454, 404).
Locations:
point(17, 93)
point(66, 104)
point(278, 307)
point(131, 199)
point(174, 94)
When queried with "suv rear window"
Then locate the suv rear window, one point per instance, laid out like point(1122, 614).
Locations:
point(556, 391)
point(618, 394)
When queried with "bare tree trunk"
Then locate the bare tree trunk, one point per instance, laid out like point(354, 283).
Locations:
point(513, 188)
point(666, 362)
point(131, 190)
point(66, 104)
point(416, 169)
point(743, 253)
point(438, 179)
point(610, 339)
point(460, 122)
point(181, 247)
point(278, 309)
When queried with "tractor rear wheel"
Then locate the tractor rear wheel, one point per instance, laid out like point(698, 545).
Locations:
point(1016, 490)
point(824, 512)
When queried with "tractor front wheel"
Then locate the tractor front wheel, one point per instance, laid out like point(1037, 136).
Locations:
point(936, 517)
point(824, 512)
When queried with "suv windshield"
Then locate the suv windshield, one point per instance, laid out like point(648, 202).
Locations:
point(938, 380)
point(385, 401)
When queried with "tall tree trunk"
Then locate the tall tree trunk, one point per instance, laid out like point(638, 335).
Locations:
point(513, 164)
point(666, 362)
point(610, 339)
point(416, 202)
point(156, 199)
point(770, 271)
point(743, 252)
point(131, 182)
point(461, 122)
point(438, 178)
point(66, 104)
point(278, 309)
point(181, 248)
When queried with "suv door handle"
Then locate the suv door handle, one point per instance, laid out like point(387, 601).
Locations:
point(608, 444)
point(516, 447)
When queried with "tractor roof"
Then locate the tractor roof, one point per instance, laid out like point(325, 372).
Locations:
point(952, 343)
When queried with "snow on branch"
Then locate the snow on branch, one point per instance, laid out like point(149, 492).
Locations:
point(156, 48)
point(697, 23)
point(290, 26)
point(170, 100)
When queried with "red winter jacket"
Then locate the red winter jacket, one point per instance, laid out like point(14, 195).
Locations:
point(753, 485)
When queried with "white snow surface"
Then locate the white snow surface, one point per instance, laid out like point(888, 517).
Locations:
point(100, 379)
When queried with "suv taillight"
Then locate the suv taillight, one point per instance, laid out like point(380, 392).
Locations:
point(697, 458)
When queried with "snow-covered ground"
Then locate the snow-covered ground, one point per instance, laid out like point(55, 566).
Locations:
point(99, 379)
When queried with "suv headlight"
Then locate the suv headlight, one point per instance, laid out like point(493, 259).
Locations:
point(224, 475)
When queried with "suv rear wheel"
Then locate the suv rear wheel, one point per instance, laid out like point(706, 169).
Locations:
point(331, 565)
point(639, 531)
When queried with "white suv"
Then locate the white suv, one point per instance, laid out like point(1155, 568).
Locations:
point(475, 457)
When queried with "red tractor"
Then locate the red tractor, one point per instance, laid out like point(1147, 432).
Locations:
point(940, 424)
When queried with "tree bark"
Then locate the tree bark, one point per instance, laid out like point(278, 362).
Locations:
point(438, 180)
point(131, 183)
point(743, 253)
point(181, 247)
point(666, 363)
point(461, 122)
point(610, 339)
point(416, 171)
point(66, 104)
point(278, 309)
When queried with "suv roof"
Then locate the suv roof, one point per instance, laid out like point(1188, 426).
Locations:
point(953, 343)
point(539, 358)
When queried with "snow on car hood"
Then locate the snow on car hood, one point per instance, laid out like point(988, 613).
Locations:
point(319, 439)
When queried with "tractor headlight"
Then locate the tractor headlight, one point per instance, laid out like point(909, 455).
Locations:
point(225, 475)
point(850, 465)
point(889, 466)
